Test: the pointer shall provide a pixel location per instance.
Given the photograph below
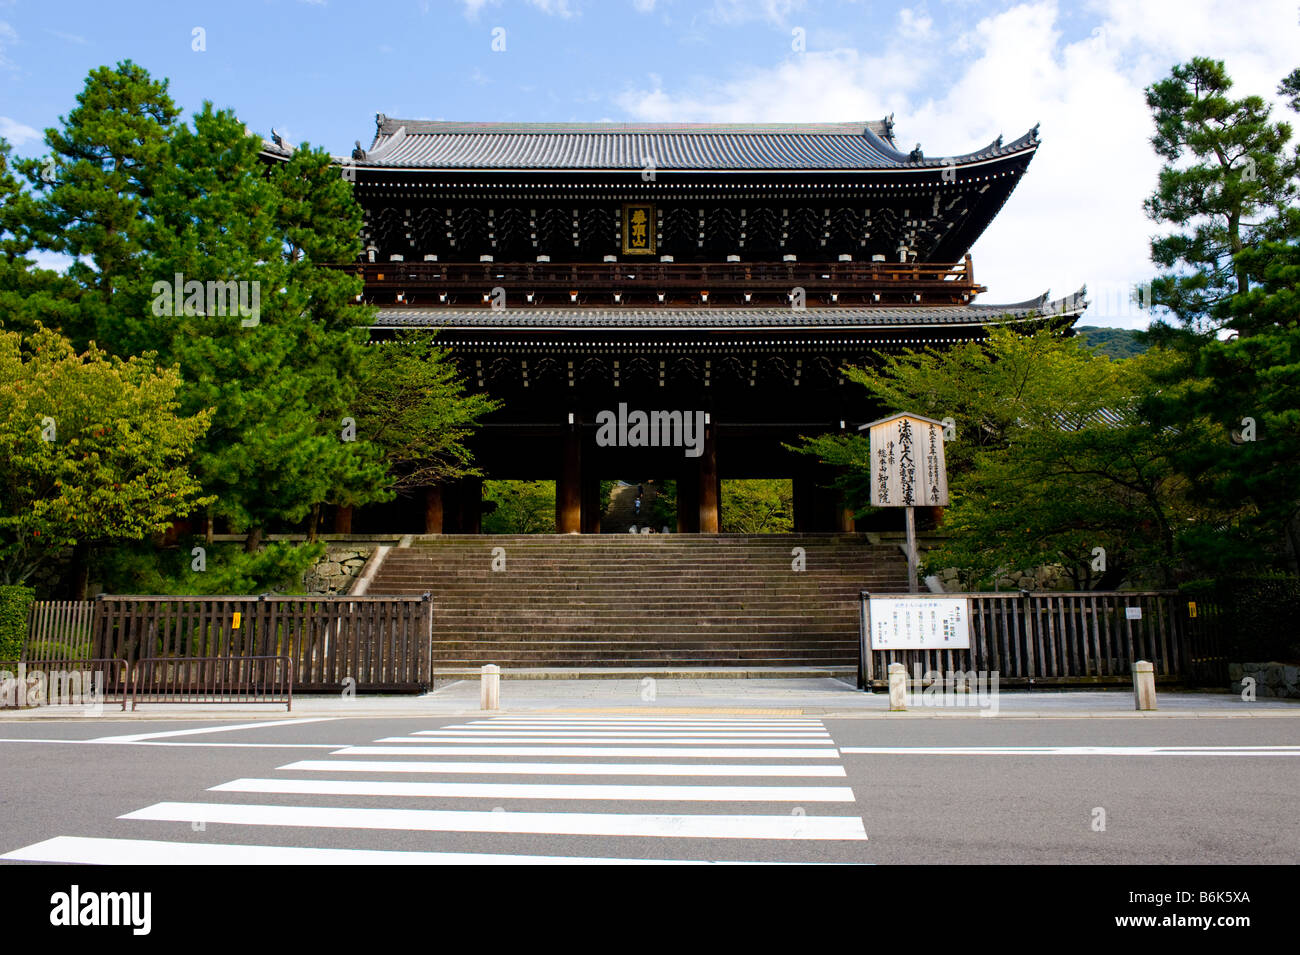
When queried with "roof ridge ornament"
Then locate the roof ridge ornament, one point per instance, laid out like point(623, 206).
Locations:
point(916, 155)
point(1033, 133)
point(357, 151)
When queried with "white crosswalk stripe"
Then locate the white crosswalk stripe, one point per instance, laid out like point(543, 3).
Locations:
point(91, 851)
point(352, 787)
point(558, 769)
point(1072, 750)
point(702, 771)
point(648, 752)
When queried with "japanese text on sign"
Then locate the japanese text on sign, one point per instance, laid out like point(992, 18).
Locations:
point(919, 623)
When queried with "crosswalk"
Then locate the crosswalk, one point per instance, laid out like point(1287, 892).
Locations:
point(518, 791)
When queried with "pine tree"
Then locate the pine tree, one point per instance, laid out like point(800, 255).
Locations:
point(1229, 188)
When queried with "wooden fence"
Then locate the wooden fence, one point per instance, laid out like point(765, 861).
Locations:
point(366, 644)
point(59, 630)
point(1082, 637)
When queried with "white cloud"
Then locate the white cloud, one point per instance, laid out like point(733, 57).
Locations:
point(18, 133)
point(643, 6)
point(558, 8)
point(69, 37)
point(8, 37)
point(1077, 215)
point(912, 24)
point(740, 11)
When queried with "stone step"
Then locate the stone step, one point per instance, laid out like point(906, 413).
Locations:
point(639, 673)
point(611, 601)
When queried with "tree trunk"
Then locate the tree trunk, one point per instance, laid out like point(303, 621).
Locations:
point(313, 523)
point(253, 541)
point(207, 527)
point(79, 572)
point(1292, 528)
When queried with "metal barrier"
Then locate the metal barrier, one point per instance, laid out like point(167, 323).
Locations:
point(73, 683)
point(264, 679)
point(1039, 638)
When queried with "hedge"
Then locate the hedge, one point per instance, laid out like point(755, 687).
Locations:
point(15, 606)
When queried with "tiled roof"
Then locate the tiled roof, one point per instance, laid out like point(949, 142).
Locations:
point(784, 319)
point(426, 144)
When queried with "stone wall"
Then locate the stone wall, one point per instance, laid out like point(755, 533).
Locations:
point(335, 573)
point(1051, 577)
point(1272, 680)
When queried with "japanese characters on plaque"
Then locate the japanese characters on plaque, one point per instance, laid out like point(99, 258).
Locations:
point(638, 229)
point(920, 623)
point(907, 463)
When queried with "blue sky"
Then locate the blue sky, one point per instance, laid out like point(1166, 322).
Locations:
point(956, 73)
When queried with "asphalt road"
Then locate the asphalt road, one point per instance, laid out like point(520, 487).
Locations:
point(546, 788)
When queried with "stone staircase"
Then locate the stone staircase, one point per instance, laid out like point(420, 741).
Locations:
point(657, 600)
point(621, 515)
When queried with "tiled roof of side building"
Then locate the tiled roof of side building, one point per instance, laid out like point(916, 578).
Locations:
point(428, 144)
point(785, 319)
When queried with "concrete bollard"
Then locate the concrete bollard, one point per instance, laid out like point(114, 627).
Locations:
point(1144, 685)
point(490, 687)
point(897, 687)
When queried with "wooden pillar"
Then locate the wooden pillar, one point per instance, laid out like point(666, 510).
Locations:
point(568, 488)
point(845, 522)
point(343, 520)
point(591, 503)
point(433, 510)
point(688, 503)
point(801, 487)
point(709, 484)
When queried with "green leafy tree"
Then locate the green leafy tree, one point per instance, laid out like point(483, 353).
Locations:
point(1054, 455)
point(277, 567)
point(27, 293)
point(91, 194)
point(92, 450)
point(412, 403)
point(282, 381)
point(1229, 191)
point(1226, 175)
point(763, 506)
point(1111, 342)
point(663, 506)
point(521, 507)
point(150, 208)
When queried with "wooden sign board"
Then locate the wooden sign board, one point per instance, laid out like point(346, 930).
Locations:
point(639, 229)
point(907, 462)
point(920, 623)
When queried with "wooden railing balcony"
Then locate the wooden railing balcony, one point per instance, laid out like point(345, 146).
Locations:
point(466, 284)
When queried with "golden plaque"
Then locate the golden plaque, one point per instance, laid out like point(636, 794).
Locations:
point(639, 229)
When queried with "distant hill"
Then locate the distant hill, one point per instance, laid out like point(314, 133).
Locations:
point(1115, 342)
